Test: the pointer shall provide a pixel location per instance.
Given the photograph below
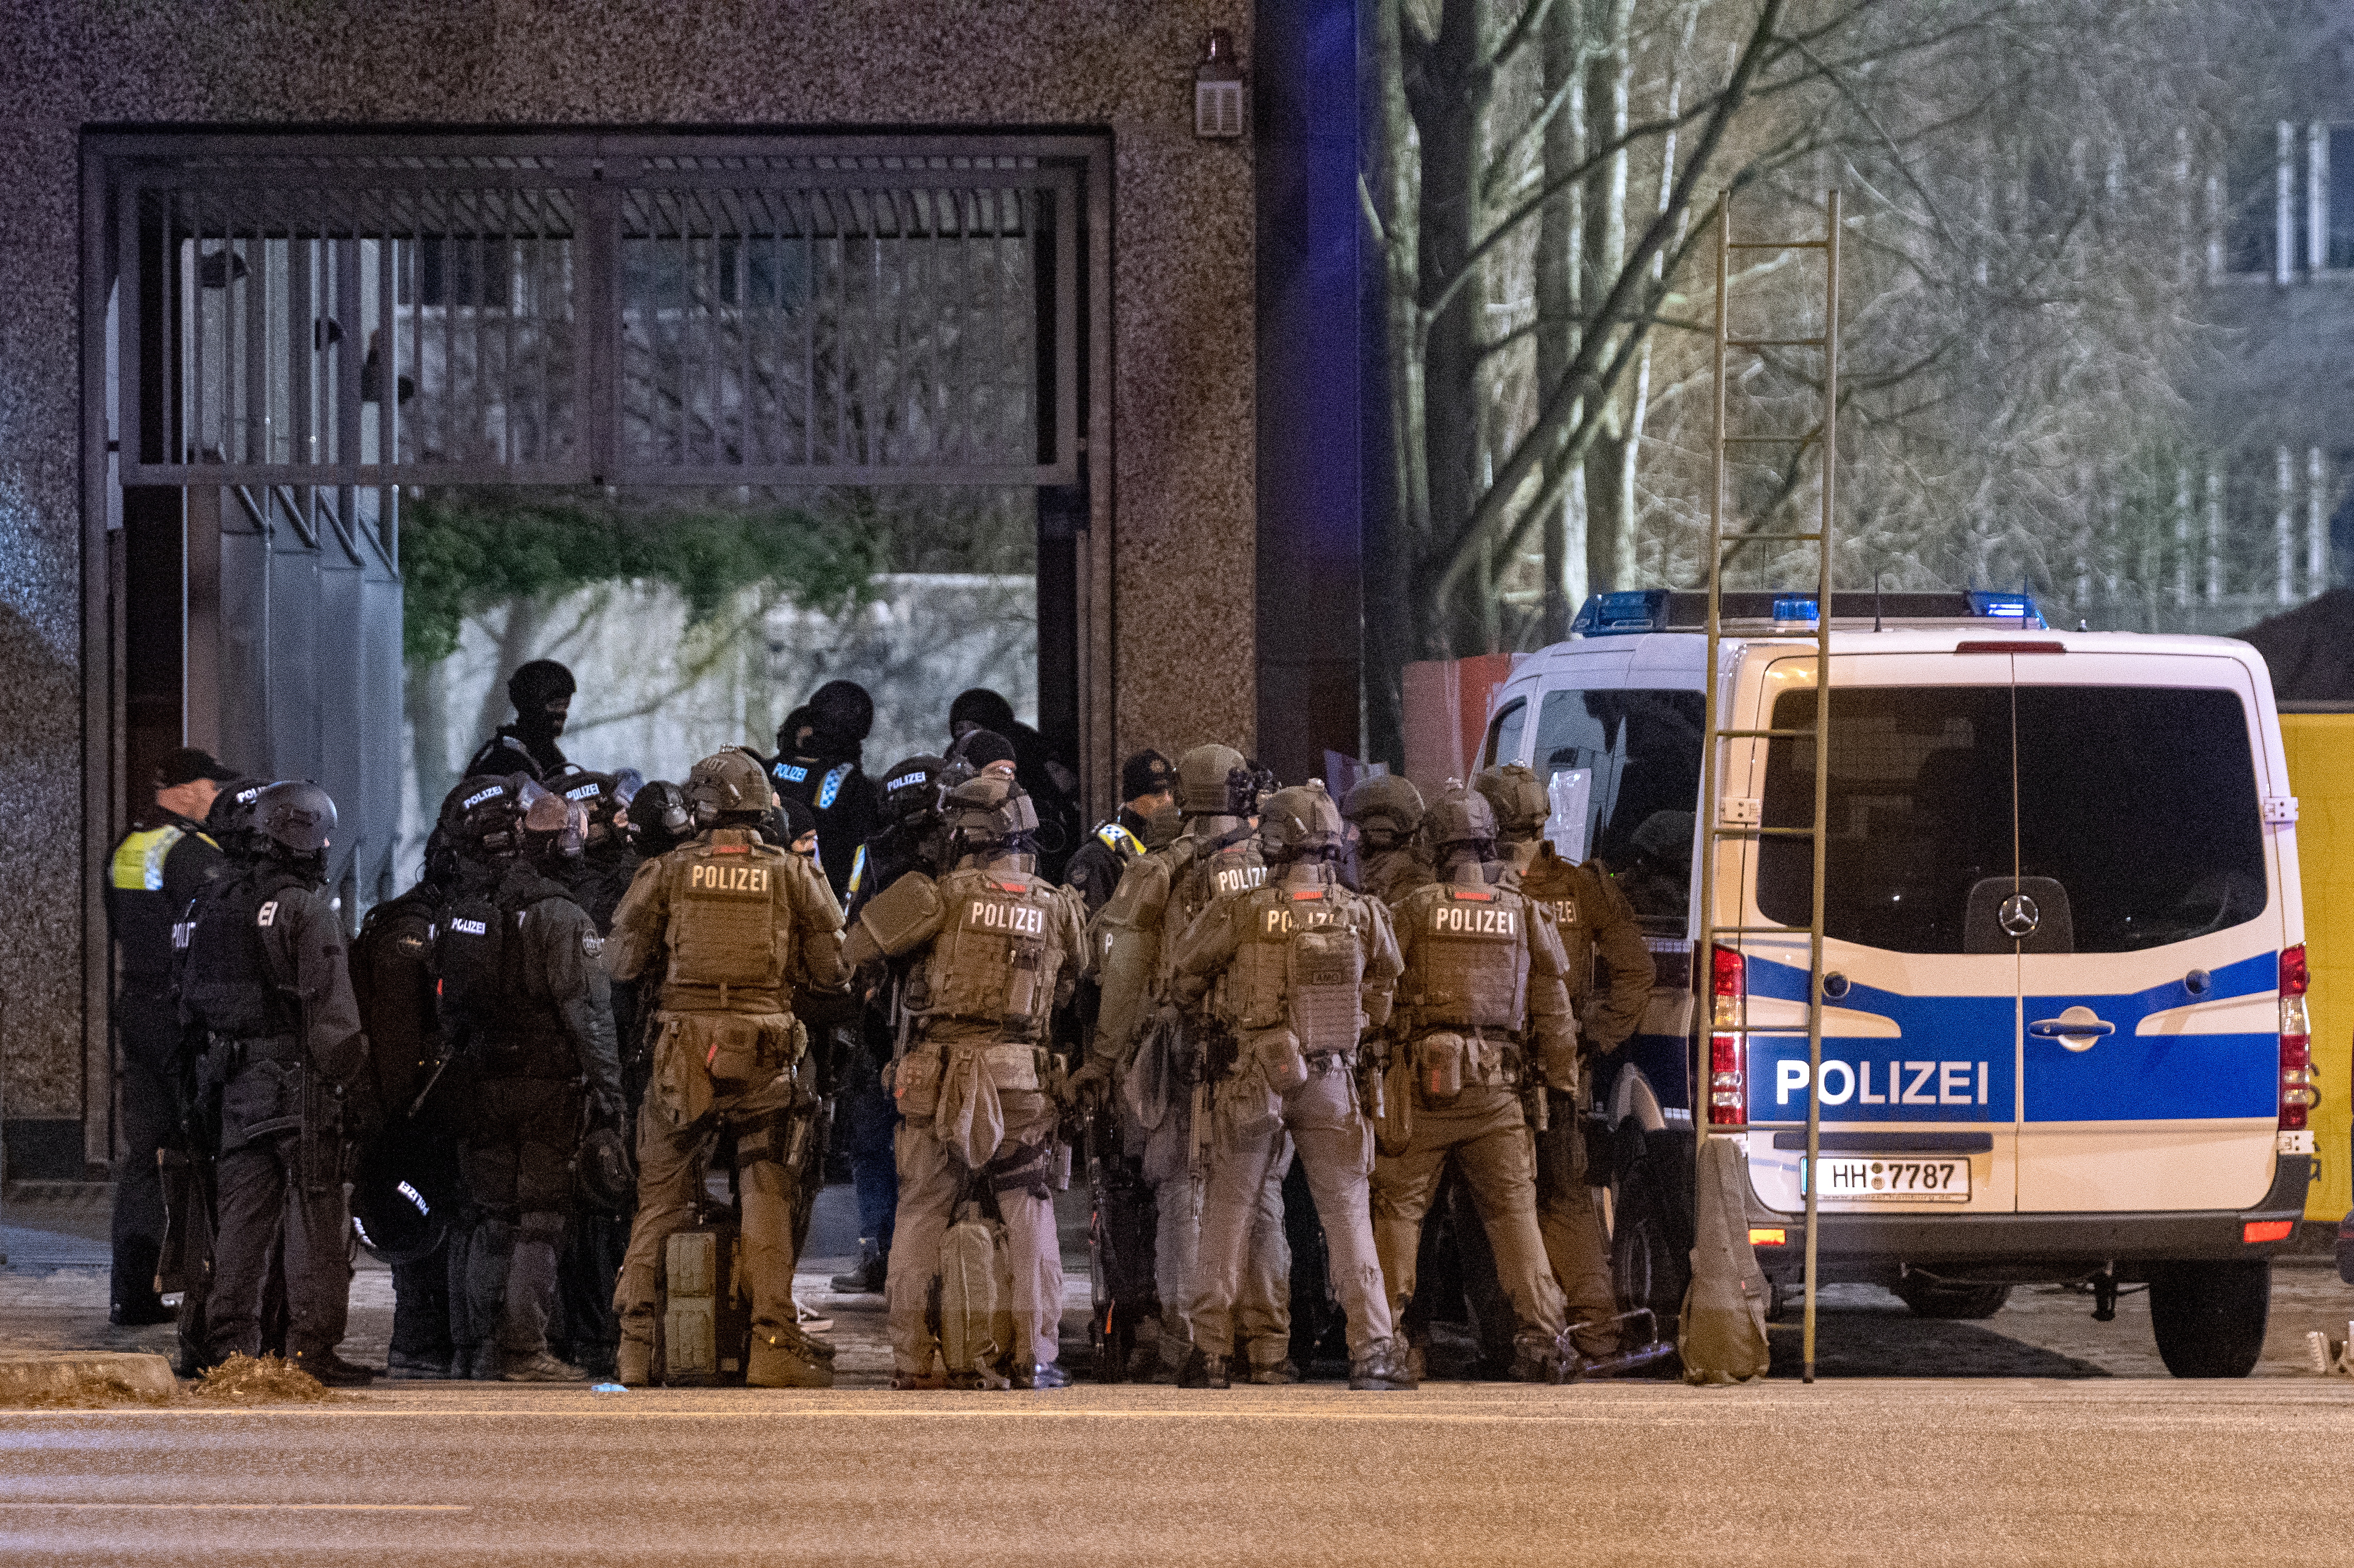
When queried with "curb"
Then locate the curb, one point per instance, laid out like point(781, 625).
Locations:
point(22, 1376)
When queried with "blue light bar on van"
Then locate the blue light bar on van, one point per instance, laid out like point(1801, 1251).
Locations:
point(1617, 614)
point(1794, 611)
point(2015, 607)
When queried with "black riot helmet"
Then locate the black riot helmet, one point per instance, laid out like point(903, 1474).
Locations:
point(911, 790)
point(600, 797)
point(659, 819)
point(229, 823)
point(990, 816)
point(294, 819)
point(389, 1210)
point(555, 826)
point(478, 816)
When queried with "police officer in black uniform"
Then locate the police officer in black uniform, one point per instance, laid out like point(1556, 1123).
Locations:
point(541, 694)
point(151, 876)
point(393, 979)
point(915, 839)
point(818, 755)
point(264, 977)
point(525, 1005)
point(1148, 781)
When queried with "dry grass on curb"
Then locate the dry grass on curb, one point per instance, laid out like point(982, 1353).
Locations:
point(240, 1380)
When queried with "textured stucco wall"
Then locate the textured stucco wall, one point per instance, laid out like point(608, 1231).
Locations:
point(1182, 375)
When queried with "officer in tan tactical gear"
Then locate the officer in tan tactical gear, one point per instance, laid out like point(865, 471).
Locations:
point(1000, 949)
point(1609, 981)
point(1482, 1022)
point(1150, 1050)
point(730, 926)
point(1391, 860)
point(1297, 969)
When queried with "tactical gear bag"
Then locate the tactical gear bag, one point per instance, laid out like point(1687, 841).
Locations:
point(706, 1320)
point(970, 1119)
point(1471, 958)
point(1322, 988)
point(1722, 1338)
point(976, 1299)
point(915, 1082)
point(724, 897)
point(900, 916)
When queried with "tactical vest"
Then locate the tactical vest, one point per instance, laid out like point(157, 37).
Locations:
point(1195, 881)
point(1468, 968)
point(995, 961)
point(487, 1012)
point(728, 946)
point(1567, 893)
point(1298, 967)
point(228, 984)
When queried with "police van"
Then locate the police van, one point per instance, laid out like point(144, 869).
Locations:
point(2065, 1023)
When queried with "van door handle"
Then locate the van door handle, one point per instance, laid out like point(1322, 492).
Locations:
point(2077, 1033)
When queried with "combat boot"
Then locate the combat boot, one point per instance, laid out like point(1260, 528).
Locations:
point(426, 1369)
point(867, 1277)
point(784, 1357)
point(539, 1367)
point(1381, 1370)
point(1203, 1369)
point(1540, 1361)
point(1045, 1374)
point(331, 1369)
point(633, 1362)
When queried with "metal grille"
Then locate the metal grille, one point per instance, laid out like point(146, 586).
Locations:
point(719, 311)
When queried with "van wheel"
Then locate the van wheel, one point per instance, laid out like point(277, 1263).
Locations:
point(1949, 1299)
point(2209, 1317)
point(1649, 1268)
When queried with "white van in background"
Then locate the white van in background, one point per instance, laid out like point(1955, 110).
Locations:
point(2064, 1030)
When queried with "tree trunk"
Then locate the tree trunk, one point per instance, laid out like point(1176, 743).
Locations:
point(1560, 251)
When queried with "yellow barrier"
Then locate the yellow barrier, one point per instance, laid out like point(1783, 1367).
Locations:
point(2321, 775)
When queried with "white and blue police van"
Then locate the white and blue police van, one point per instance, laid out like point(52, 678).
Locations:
point(2064, 1024)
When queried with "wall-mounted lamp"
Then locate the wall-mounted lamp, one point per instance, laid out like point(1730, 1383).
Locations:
point(1218, 88)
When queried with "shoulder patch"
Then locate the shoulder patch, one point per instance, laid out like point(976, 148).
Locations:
point(268, 912)
point(591, 944)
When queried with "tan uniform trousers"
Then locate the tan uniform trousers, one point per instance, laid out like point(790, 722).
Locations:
point(1572, 1227)
point(671, 1164)
point(932, 1182)
point(1262, 1311)
point(1335, 1144)
point(1485, 1132)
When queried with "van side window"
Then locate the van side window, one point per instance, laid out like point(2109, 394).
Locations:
point(1504, 734)
point(2140, 803)
point(1633, 757)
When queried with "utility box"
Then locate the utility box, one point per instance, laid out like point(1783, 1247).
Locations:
point(2320, 747)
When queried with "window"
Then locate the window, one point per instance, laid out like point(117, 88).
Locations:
point(2140, 803)
point(1504, 735)
point(1634, 757)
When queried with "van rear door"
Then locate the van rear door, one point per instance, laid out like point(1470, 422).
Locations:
point(1921, 1009)
point(2147, 888)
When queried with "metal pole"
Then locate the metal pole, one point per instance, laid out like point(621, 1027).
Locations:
point(1822, 762)
point(1704, 981)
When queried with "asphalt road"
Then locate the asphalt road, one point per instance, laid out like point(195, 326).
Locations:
point(1909, 1473)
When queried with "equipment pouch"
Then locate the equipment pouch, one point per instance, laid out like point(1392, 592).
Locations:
point(1011, 1066)
point(970, 1119)
point(682, 1081)
point(916, 1082)
point(1280, 1060)
point(1438, 1064)
point(1246, 1109)
point(734, 1054)
point(1557, 1057)
point(903, 914)
point(1151, 1082)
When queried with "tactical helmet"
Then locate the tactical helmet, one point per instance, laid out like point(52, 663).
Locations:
point(911, 790)
point(1298, 823)
point(609, 1177)
point(600, 796)
point(1518, 799)
point(1161, 829)
point(1461, 816)
point(1386, 808)
point(659, 819)
point(394, 1219)
point(296, 816)
point(229, 823)
point(479, 815)
point(1214, 781)
point(727, 783)
point(991, 814)
point(552, 823)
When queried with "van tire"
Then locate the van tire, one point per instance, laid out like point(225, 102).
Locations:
point(1950, 1299)
point(1650, 1254)
point(2209, 1317)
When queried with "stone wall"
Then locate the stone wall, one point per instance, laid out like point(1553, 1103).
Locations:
point(1181, 290)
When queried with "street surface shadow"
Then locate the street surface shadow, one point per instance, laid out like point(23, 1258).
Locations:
point(1890, 1342)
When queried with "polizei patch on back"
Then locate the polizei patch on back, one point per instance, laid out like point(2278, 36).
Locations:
point(1021, 919)
point(1473, 920)
point(1237, 879)
point(706, 877)
point(1282, 919)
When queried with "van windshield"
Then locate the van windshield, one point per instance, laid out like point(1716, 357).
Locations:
point(1623, 765)
point(2139, 803)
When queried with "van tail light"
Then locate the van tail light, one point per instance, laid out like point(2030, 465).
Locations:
point(1728, 1042)
point(2299, 1093)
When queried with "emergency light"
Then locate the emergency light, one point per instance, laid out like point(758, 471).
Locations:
point(1628, 609)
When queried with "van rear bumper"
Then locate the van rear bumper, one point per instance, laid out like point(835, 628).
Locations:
point(2026, 1248)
